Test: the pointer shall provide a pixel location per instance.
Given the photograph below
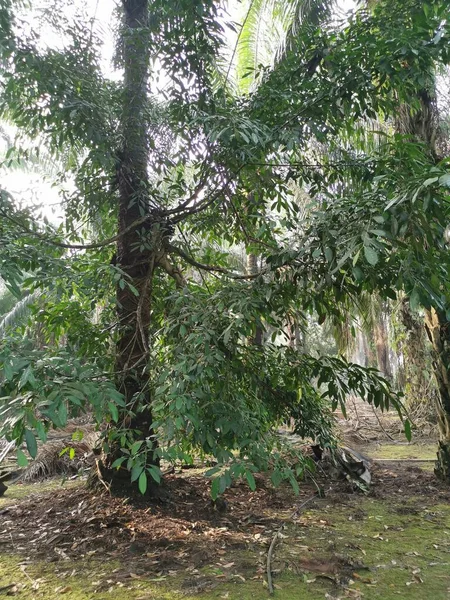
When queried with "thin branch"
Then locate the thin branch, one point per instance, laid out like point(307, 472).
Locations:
point(269, 561)
point(212, 268)
point(186, 203)
point(190, 251)
point(92, 246)
point(205, 203)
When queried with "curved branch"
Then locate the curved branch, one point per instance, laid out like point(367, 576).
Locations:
point(211, 268)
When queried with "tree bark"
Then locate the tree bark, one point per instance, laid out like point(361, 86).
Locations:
point(438, 330)
point(137, 247)
point(382, 347)
point(424, 125)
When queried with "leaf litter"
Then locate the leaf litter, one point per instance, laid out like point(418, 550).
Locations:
point(181, 537)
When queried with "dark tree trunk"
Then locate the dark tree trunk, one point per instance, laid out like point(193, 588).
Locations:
point(137, 247)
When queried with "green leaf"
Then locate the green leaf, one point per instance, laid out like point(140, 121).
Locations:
point(142, 484)
point(328, 254)
point(155, 472)
point(40, 430)
point(7, 370)
point(445, 180)
point(276, 478)
point(136, 471)
point(371, 255)
point(408, 433)
point(62, 414)
point(31, 443)
point(114, 412)
point(212, 471)
point(215, 488)
point(117, 463)
point(136, 447)
point(251, 480)
point(22, 460)
point(414, 300)
point(358, 274)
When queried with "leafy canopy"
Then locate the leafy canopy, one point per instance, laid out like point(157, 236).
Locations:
point(221, 169)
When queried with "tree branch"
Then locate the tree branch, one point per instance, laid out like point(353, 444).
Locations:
point(92, 246)
point(211, 268)
point(172, 271)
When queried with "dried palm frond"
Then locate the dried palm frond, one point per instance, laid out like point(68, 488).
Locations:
point(54, 459)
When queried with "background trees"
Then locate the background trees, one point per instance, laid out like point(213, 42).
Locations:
point(160, 184)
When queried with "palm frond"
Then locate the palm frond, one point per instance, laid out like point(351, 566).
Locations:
point(266, 30)
point(18, 312)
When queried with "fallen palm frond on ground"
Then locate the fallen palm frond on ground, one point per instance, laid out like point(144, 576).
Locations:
point(55, 458)
point(67, 451)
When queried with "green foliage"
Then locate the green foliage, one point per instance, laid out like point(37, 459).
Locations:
point(220, 172)
point(44, 388)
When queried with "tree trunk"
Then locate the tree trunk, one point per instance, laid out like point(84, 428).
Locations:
point(424, 125)
point(137, 246)
point(294, 333)
point(252, 269)
point(438, 329)
point(382, 346)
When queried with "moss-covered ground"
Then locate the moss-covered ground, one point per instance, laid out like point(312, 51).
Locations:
point(401, 451)
point(393, 543)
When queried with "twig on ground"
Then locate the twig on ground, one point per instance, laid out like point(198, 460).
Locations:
point(420, 460)
point(303, 504)
point(275, 539)
point(269, 560)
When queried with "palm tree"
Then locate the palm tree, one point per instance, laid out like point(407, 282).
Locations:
point(267, 28)
point(18, 312)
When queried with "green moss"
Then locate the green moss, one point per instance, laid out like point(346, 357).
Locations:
point(21, 491)
point(402, 451)
point(404, 545)
point(76, 580)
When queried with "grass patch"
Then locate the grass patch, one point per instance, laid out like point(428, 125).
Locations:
point(22, 491)
point(403, 451)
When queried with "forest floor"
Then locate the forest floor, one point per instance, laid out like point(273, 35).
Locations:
point(394, 542)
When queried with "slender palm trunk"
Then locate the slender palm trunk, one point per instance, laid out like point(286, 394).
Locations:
point(382, 346)
point(438, 329)
point(252, 269)
point(424, 125)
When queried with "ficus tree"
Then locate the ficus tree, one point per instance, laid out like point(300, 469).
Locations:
point(156, 185)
